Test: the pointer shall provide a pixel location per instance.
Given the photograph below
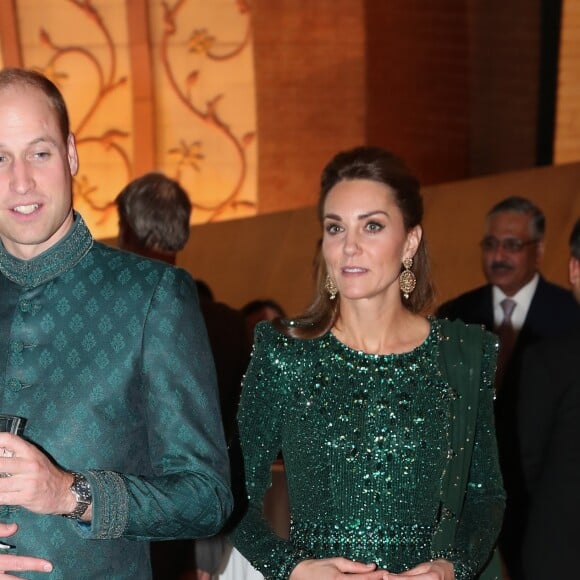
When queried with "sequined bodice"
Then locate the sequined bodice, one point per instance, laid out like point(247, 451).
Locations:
point(359, 431)
point(367, 444)
point(365, 439)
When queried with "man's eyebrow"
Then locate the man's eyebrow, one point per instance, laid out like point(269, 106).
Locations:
point(43, 139)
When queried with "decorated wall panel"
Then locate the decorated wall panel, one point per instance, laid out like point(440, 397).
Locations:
point(151, 85)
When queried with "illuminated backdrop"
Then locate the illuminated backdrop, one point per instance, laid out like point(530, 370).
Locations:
point(150, 85)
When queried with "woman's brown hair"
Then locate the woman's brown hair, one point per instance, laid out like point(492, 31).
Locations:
point(375, 164)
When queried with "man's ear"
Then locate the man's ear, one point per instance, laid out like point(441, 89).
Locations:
point(72, 155)
point(540, 251)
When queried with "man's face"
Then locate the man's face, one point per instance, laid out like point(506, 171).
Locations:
point(36, 170)
point(510, 257)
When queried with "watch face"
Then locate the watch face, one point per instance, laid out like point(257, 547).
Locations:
point(81, 489)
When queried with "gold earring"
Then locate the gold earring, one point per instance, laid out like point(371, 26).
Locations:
point(407, 280)
point(330, 287)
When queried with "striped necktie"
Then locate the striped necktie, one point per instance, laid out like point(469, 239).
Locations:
point(507, 339)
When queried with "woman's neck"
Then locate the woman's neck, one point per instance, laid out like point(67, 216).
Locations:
point(380, 331)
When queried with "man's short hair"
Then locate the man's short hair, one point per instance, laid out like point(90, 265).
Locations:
point(14, 77)
point(525, 206)
point(156, 210)
point(575, 240)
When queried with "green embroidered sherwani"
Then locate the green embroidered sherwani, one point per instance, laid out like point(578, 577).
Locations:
point(105, 354)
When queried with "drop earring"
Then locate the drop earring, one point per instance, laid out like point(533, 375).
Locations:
point(407, 280)
point(330, 287)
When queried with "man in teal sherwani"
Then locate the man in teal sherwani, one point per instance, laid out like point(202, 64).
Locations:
point(105, 354)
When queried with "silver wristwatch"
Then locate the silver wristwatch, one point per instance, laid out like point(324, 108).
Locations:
point(81, 489)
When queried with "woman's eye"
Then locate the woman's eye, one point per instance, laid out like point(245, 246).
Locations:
point(333, 228)
point(374, 227)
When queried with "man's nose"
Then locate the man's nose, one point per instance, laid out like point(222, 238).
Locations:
point(499, 253)
point(21, 180)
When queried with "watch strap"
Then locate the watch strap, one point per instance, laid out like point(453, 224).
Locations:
point(81, 489)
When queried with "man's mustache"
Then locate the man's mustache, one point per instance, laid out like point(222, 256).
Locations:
point(501, 266)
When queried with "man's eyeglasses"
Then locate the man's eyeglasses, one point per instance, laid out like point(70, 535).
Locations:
point(510, 245)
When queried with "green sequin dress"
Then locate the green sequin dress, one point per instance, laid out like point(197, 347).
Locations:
point(366, 441)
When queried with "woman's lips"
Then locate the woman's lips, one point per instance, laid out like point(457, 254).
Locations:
point(353, 270)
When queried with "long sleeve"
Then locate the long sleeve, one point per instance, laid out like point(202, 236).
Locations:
point(259, 418)
point(482, 513)
point(549, 437)
point(187, 492)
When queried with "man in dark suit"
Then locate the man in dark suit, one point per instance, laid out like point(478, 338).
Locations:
point(512, 248)
point(549, 430)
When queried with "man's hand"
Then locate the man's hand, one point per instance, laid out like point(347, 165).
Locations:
point(14, 563)
point(35, 482)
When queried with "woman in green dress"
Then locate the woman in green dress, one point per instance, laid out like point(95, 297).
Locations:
point(383, 415)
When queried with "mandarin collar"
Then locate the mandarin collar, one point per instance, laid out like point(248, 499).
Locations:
point(64, 255)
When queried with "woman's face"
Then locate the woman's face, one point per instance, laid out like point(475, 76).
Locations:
point(364, 240)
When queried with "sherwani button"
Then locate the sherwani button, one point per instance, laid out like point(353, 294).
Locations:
point(14, 384)
point(16, 346)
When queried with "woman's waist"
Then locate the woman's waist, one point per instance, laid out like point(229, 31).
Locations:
point(361, 533)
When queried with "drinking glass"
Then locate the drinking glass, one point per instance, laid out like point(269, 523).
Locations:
point(12, 424)
point(15, 425)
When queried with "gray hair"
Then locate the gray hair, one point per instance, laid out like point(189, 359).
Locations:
point(524, 206)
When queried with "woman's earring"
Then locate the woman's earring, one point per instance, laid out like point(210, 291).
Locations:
point(407, 280)
point(330, 287)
